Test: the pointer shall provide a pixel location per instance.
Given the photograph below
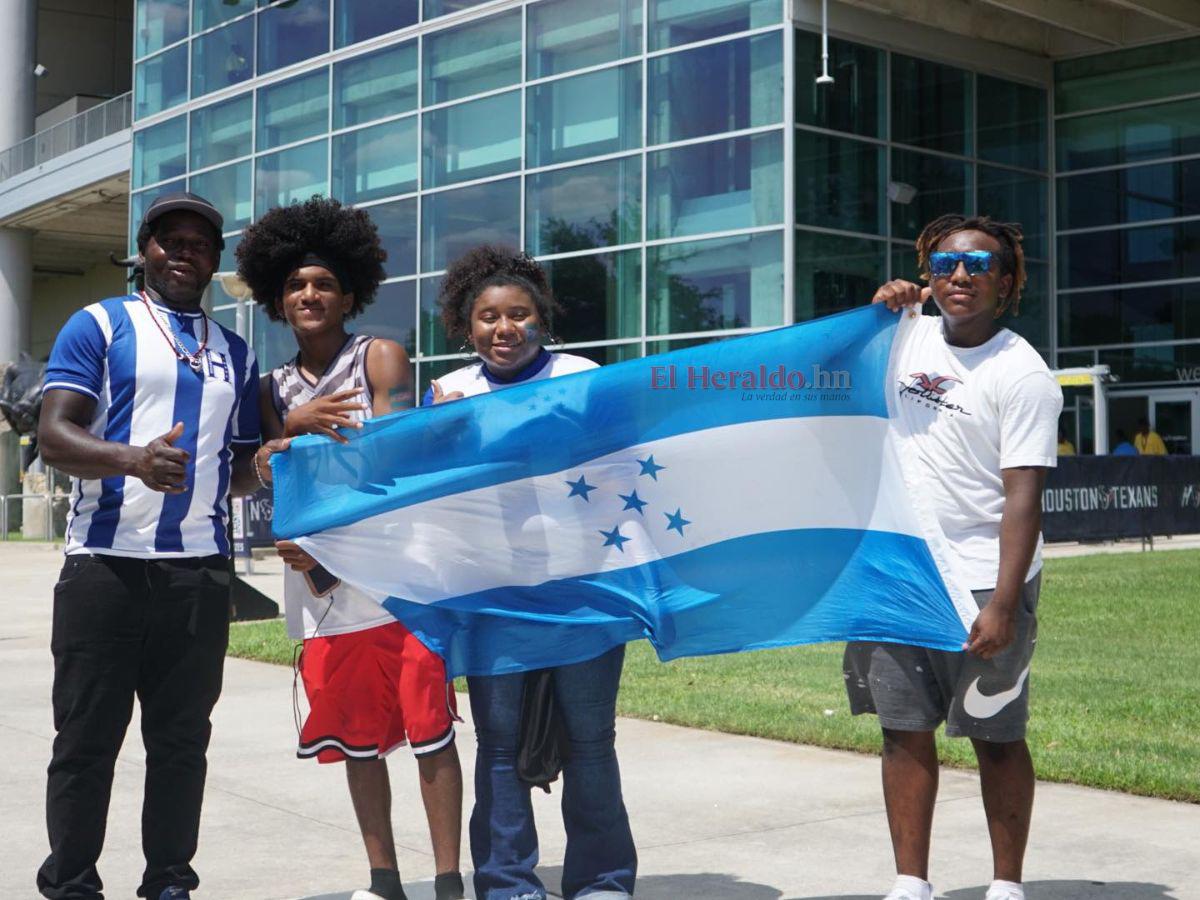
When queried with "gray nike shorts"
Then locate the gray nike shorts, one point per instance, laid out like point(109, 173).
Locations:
point(916, 689)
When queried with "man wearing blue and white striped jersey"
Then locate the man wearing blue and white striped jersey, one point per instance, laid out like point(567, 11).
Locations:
point(152, 407)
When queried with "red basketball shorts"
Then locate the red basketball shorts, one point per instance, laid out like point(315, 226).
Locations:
point(371, 691)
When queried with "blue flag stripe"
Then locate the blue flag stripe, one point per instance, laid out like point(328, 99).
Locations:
point(538, 428)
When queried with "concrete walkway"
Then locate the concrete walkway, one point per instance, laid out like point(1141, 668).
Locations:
point(716, 817)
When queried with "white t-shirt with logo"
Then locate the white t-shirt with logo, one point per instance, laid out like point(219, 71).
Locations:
point(969, 413)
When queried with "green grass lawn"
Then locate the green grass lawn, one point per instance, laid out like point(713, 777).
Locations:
point(1116, 680)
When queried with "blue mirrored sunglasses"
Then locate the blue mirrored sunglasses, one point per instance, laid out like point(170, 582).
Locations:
point(976, 261)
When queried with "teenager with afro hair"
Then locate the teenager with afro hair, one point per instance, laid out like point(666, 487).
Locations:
point(982, 411)
point(371, 684)
point(499, 302)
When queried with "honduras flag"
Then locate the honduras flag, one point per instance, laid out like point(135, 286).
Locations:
point(745, 494)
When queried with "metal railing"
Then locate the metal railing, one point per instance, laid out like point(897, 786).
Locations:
point(81, 129)
point(7, 501)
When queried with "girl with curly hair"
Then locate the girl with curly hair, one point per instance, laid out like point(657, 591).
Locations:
point(500, 302)
point(371, 684)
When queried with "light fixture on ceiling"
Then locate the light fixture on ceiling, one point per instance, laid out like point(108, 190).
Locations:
point(824, 77)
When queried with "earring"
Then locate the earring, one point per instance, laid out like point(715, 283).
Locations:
point(466, 346)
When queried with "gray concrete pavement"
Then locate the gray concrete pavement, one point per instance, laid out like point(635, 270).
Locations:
point(716, 817)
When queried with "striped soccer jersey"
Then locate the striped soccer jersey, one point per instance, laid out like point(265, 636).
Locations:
point(116, 352)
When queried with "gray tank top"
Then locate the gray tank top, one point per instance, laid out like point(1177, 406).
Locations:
point(289, 388)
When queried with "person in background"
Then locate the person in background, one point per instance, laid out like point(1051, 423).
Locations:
point(1147, 441)
point(500, 302)
point(371, 685)
point(1065, 447)
point(1123, 447)
point(152, 408)
point(985, 433)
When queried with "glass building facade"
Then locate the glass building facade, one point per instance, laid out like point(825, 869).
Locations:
point(675, 166)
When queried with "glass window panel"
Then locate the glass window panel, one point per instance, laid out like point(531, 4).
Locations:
point(1151, 363)
point(222, 132)
point(160, 82)
point(359, 20)
point(931, 105)
point(397, 224)
point(473, 140)
point(840, 183)
point(274, 342)
point(452, 222)
point(160, 152)
point(718, 186)
point(594, 205)
point(1127, 76)
point(291, 33)
point(835, 273)
point(433, 335)
point(675, 22)
point(854, 102)
point(223, 57)
point(938, 186)
point(572, 34)
point(229, 254)
point(904, 265)
point(376, 162)
point(393, 315)
point(228, 189)
point(159, 23)
point(600, 294)
point(208, 13)
point(1168, 313)
point(732, 282)
point(435, 8)
point(291, 175)
point(715, 88)
point(589, 115)
point(293, 110)
point(1033, 319)
point(1135, 194)
point(1129, 135)
point(375, 86)
point(1149, 253)
point(473, 58)
point(1015, 197)
point(655, 347)
point(1012, 123)
point(609, 354)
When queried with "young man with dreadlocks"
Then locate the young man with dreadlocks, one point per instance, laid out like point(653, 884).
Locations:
point(371, 684)
point(983, 410)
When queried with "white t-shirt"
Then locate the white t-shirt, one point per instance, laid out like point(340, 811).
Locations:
point(971, 412)
point(476, 379)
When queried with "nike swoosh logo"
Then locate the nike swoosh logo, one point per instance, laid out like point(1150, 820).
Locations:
point(979, 705)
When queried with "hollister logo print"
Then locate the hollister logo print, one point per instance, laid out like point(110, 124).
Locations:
point(930, 390)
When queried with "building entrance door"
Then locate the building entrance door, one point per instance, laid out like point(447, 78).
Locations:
point(1175, 415)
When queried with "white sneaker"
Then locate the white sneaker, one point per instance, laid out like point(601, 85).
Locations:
point(365, 895)
point(909, 887)
point(1005, 890)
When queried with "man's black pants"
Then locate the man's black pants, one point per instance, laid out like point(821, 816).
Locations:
point(157, 629)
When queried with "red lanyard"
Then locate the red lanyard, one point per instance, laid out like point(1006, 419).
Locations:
point(177, 346)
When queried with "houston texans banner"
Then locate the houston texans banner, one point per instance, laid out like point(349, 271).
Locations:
point(745, 494)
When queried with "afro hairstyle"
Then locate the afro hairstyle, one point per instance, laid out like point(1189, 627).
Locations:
point(273, 247)
point(492, 265)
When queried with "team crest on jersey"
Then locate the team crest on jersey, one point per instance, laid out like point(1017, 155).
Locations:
point(217, 365)
point(930, 390)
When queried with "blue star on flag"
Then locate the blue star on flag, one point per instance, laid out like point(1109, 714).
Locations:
point(580, 488)
point(650, 467)
point(614, 538)
point(676, 521)
point(633, 501)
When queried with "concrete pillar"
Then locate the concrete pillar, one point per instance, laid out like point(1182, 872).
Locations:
point(18, 49)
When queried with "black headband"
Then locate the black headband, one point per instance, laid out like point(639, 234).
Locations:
point(311, 259)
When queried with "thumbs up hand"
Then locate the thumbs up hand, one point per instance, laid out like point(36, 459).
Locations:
point(162, 466)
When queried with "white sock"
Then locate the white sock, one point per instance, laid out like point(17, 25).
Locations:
point(918, 887)
point(1010, 890)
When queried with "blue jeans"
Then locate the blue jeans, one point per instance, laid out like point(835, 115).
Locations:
point(601, 860)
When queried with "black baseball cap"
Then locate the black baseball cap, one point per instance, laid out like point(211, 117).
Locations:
point(185, 202)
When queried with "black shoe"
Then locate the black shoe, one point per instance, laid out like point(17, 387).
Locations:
point(175, 892)
point(449, 886)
